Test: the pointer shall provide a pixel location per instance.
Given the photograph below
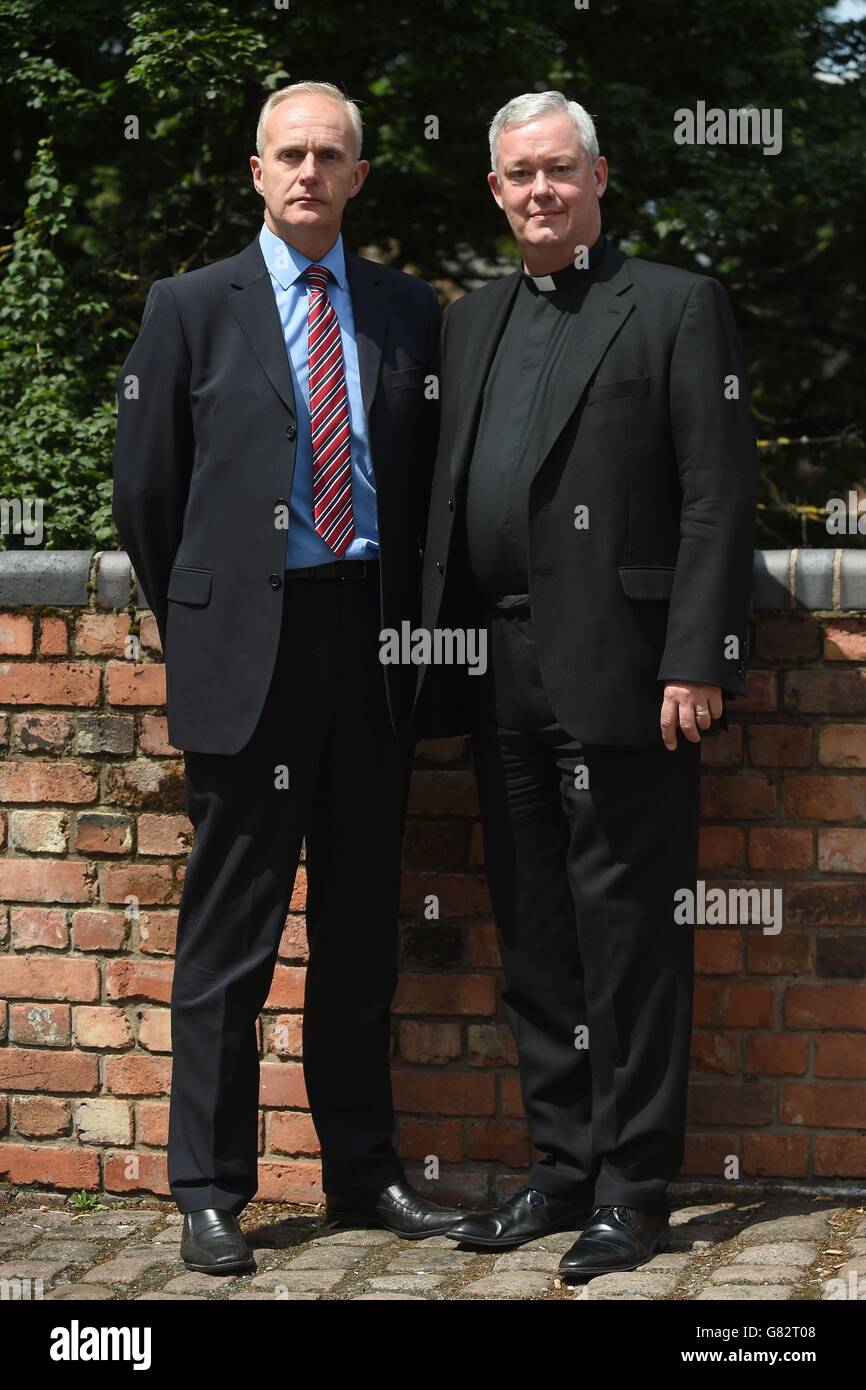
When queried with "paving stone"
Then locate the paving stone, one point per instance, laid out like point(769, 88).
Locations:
point(196, 1282)
point(91, 1293)
point(757, 1274)
point(157, 1294)
point(713, 1214)
point(421, 1260)
point(253, 1297)
point(808, 1226)
point(697, 1237)
point(70, 1251)
point(785, 1252)
point(405, 1282)
point(634, 1281)
point(403, 1297)
point(289, 1282)
point(124, 1269)
point(337, 1257)
point(546, 1261)
point(25, 1268)
point(512, 1284)
point(745, 1292)
point(359, 1236)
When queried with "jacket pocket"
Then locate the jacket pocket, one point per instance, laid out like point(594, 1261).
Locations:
point(615, 390)
point(188, 585)
point(406, 376)
point(647, 581)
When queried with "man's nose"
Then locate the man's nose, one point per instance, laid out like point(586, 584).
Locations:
point(308, 167)
point(540, 186)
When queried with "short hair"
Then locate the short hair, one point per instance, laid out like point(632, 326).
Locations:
point(520, 110)
point(325, 89)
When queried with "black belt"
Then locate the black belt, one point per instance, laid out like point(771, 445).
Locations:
point(336, 569)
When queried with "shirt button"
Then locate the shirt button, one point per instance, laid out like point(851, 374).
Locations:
point(291, 431)
point(275, 581)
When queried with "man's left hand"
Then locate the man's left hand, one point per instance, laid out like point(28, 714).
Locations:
point(689, 707)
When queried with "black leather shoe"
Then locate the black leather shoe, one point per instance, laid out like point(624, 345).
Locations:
point(213, 1243)
point(525, 1216)
point(398, 1208)
point(615, 1239)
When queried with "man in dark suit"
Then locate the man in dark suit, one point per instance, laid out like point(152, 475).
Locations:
point(593, 513)
point(275, 442)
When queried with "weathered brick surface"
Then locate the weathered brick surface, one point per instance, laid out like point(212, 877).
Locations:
point(93, 842)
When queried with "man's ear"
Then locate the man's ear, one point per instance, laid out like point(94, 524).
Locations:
point(256, 167)
point(493, 185)
point(362, 169)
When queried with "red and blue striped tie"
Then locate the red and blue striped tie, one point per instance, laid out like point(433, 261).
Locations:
point(329, 419)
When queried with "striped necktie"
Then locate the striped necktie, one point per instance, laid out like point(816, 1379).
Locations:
point(329, 419)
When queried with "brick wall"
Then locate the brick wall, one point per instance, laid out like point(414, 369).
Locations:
point(93, 841)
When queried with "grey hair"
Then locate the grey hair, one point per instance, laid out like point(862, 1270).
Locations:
point(523, 109)
point(324, 89)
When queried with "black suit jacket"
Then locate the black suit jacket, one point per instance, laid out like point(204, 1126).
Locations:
point(639, 429)
point(204, 459)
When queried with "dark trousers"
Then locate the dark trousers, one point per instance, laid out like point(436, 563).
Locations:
point(597, 975)
point(325, 726)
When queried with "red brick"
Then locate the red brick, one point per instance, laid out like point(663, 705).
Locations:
point(779, 745)
point(824, 1107)
point(715, 1052)
point(137, 1074)
point(292, 1132)
point(96, 930)
point(825, 1006)
point(101, 634)
point(139, 979)
point(147, 883)
point(771, 847)
point(498, 1142)
point(39, 926)
point(837, 1156)
point(37, 1069)
point(824, 796)
point(842, 851)
point(445, 994)
point(296, 1180)
point(40, 1025)
point(41, 1117)
point(49, 1165)
point(842, 745)
point(53, 637)
point(430, 1043)
point(775, 1156)
point(424, 1139)
point(840, 1054)
point(720, 847)
point(164, 834)
point(51, 782)
point(718, 950)
point(49, 683)
point(743, 797)
point(133, 684)
point(443, 1093)
point(825, 692)
point(103, 832)
point(776, 1054)
point(16, 634)
point(282, 1084)
point(131, 1171)
point(845, 639)
point(41, 977)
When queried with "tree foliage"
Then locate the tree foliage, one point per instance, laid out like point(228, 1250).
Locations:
point(92, 216)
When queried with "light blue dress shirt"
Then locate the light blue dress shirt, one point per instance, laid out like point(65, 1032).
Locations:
point(292, 293)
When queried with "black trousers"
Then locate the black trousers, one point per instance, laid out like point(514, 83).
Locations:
point(325, 730)
point(597, 975)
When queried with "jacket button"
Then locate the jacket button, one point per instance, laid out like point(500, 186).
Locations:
point(439, 567)
point(291, 431)
point(450, 504)
point(275, 581)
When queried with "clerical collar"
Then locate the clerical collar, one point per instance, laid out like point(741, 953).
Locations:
point(571, 273)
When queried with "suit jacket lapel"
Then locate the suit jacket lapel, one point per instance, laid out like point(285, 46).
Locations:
point(369, 306)
point(478, 352)
point(255, 309)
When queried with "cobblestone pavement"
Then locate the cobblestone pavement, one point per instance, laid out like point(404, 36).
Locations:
point(777, 1248)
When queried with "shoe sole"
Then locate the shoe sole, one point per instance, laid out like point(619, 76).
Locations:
point(365, 1223)
point(660, 1246)
point(482, 1244)
point(230, 1267)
